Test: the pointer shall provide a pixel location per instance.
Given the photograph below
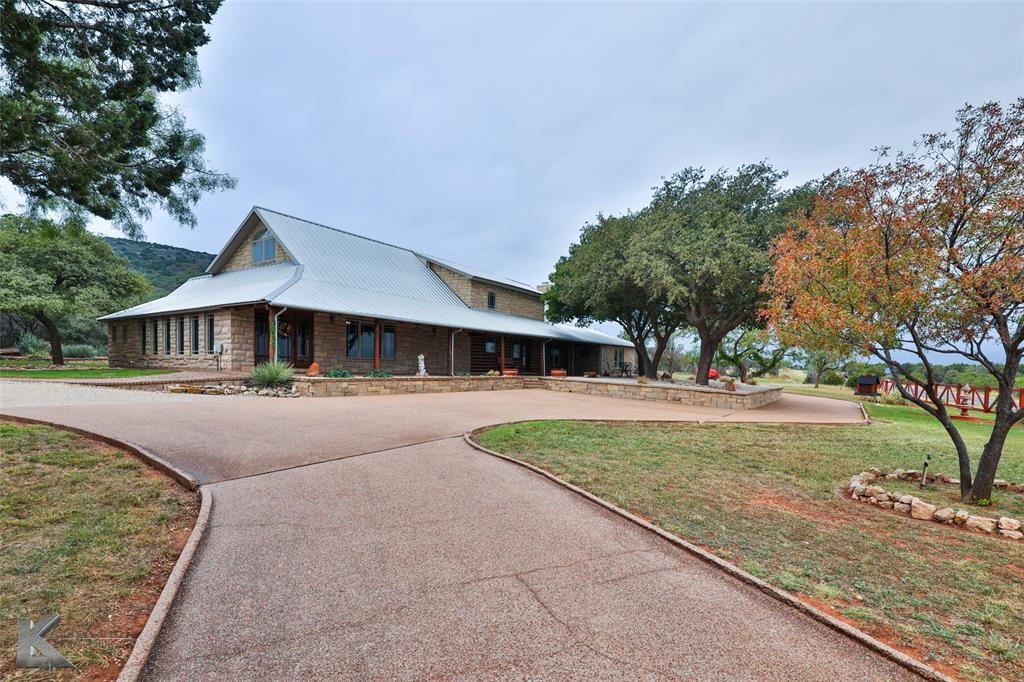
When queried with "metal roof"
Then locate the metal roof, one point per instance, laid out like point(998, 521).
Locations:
point(339, 272)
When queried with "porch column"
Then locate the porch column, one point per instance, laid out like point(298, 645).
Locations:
point(501, 357)
point(271, 335)
point(376, 345)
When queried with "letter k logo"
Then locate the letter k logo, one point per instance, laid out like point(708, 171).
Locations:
point(33, 650)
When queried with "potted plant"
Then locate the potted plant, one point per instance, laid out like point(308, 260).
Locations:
point(510, 372)
point(558, 372)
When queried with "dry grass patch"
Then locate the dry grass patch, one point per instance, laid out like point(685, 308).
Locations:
point(88, 532)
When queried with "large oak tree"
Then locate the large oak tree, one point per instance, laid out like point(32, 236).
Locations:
point(82, 128)
point(595, 283)
point(51, 271)
point(920, 255)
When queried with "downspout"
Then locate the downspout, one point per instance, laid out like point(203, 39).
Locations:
point(451, 351)
point(277, 346)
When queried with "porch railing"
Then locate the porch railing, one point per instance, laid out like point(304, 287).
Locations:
point(981, 398)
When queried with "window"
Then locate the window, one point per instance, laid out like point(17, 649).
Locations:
point(209, 334)
point(619, 357)
point(264, 247)
point(195, 335)
point(491, 299)
point(490, 345)
point(156, 344)
point(387, 343)
point(360, 338)
point(181, 336)
point(167, 336)
point(142, 337)
point(113, 333)
point(302, 339)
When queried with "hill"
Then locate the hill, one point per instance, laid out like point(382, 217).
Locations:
point(166, 267)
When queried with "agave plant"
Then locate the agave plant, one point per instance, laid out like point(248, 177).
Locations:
point(271, 374)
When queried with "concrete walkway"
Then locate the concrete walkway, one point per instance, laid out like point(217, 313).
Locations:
point(415, 556)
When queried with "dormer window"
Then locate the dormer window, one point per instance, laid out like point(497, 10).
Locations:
point(491, 299)
point(264, 247)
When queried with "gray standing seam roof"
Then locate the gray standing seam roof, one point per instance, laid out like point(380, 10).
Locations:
point(339, 272)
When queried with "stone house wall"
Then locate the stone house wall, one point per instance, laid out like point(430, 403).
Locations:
point(241, 259)
point(506, 299)
point(232, 327)
point(608, 357)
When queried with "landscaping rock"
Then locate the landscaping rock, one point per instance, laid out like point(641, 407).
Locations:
point(901, 507)
point(960, 518)
point(1012, 534)
point(922, 510)
point(907, 499)
point(873, 491)
point(1000, 483)
point(982, 523)
point(944, 515)
point(1006, 523)
point(886, 504)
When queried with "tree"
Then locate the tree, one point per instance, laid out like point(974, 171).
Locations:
point(919, 254)
point(81, 125)
point(753, 352)
point(706, 250)
point(595, 283)
point(49, 271)
point(821, 362)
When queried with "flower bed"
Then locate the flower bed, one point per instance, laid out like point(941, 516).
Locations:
point(863, 487)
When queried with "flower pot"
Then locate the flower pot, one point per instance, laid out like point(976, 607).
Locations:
point(513, 372)
point(558, 372)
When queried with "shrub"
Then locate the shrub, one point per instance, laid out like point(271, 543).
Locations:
point(642, 379)
point(833, 379)
point(338, 374)
point(493, 373)
point(31, 345)
point(79, 350)
point(378, 374)
point(271, 374)
point(893, 397)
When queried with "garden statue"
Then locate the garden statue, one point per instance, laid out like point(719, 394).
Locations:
point(422, 371)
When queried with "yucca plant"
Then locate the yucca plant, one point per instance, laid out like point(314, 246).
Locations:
point(271, 374)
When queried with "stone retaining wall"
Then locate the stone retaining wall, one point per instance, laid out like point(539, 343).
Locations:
point(686, 395)
point(321, 387)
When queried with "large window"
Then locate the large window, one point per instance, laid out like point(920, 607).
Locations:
point(264, 247)
point(209, 334)
point(156, 344)
point(620, 355)
point(181, 336)
point(195, 335)
point(360, 337)
point(142, 337)
point(490, 345)
point(167, 336)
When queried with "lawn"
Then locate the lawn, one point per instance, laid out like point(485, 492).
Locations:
point(87, 532)
point(98, 373)
point(767, 497)
point(43, 362)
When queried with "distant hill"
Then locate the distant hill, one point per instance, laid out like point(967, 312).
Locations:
point(166, 267)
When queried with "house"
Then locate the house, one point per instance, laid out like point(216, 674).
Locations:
point(351, 302)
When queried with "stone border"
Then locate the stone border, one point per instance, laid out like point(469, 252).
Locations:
point(136, 663)
point(863, 638)
point(320, 386)
point(862, 488)
point(133, 667)
point(698, 396)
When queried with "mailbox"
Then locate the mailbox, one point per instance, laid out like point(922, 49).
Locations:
point(867, 384)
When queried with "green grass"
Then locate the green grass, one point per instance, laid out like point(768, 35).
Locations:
point(103, 373)
point(82, 525)
point(44, 362)
point(767, 497)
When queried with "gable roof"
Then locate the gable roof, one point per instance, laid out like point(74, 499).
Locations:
point(343, 273)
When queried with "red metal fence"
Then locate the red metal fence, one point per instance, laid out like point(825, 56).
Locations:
point(957, 395)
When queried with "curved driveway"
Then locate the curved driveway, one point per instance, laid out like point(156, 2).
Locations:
point(356, 538)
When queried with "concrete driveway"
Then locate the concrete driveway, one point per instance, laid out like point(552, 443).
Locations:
point(361, 538)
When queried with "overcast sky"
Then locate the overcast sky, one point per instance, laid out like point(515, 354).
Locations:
point(489, 133)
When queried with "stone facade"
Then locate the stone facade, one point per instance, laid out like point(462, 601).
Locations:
point(506, 299)
point(241, 259)
point(321, 387)
point(686, 395)
point(608, 357)
point(231, 326)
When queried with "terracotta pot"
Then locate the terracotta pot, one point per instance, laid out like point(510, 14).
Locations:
point(558, 372)
point(510, 372)
point(313, 370)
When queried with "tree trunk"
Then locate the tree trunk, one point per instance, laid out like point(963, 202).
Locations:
point(642, 359)
point(986, 476)
point(56, 352)
point(659, 350)
point(708, 346)
point(744, 372)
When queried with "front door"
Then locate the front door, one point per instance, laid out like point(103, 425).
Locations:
point(294, 338)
